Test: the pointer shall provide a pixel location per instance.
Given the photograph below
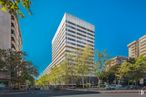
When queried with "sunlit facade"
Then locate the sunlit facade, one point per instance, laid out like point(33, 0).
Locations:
point(137, 47)
point(72, 34)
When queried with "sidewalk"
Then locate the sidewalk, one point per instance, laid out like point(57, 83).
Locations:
point(109, 91)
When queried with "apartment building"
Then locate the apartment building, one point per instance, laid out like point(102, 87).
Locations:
point(133, 49)
point(137, 47)
point(116, 61)
point(142, 45)
point(10, 35)
point(10, 38)
point(72, 34)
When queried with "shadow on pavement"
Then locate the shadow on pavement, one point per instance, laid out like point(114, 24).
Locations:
point(70, 92)
point(48, 93)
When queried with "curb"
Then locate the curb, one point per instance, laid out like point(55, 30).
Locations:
point(122, 91)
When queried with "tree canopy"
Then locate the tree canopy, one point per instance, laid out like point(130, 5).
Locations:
point(20, 70)
point(14, 6)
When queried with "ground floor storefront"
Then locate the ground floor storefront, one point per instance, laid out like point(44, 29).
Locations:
point(4, 79)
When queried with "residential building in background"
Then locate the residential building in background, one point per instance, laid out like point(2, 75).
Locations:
point(142, 45)
point(10, 38)
point(116, 61)
point(133, 49)
point(137, 47)
point(72, 34)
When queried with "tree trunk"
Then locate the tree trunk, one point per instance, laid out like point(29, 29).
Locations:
point(83, 81)
point(128, 83)
point(99, 81)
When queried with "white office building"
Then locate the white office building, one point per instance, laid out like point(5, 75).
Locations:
point(73, 33)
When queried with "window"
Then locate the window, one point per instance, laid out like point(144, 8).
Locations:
point(12, 25)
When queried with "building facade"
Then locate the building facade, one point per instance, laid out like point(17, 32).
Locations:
point(116, 61)
point(10, 38)
point(10, 35)
point(137, 47)
point(72, 34)
point(142, 45)
point(133, 49)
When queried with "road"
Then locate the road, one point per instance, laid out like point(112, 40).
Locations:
point(69, 93)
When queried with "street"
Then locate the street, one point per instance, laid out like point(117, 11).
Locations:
point(69, 93)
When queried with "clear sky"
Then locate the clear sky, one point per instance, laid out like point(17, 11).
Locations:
point(117, 22)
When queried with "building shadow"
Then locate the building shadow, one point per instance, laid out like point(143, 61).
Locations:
point(70, 92)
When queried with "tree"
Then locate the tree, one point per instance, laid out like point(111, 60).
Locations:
point(132, 70)
point(19, 69)
point(13, 6)
point(84, 63)
point(137, 70)
point(111, 74)
point(43, 80)
point(4, 64)
point(58, 75)
point(64, 72)
point(123, 70)
point(70, 68)
point(102, 59)
point(28, 72)
point(101, 77)
point(67, 72)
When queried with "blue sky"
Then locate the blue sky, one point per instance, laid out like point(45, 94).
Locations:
point(117, 22)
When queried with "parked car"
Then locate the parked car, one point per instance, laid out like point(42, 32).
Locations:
point(110, 87)
point(115, 87)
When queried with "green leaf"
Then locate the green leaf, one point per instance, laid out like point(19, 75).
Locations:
point(4, 9)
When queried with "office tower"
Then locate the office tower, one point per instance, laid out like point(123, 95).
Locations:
point(72, 35)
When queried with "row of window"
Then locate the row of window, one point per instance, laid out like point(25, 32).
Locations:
point(72, 43)
point(59, 49)
point(84, 32)
point(57, 43)
point(79, 26)
point(61, 30)
point(68, 34)
point(80, 40)
point(58, 59)
point(79, 34)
